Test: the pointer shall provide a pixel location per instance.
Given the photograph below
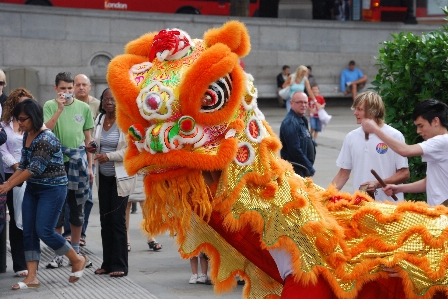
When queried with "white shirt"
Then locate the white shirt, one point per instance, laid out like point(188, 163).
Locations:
point(283, 260)
point(361, 155)
point(435, 154)
point(12, 149)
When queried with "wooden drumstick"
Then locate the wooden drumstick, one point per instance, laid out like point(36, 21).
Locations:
point(383, 184)
point(367, 113)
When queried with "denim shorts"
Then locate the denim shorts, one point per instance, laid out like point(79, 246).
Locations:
point(76, 212)
point(315, 124)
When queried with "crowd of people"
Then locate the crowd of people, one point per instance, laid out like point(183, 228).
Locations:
point(55, 152)
point(297, 134)
point(373, 145)
point(41, 166)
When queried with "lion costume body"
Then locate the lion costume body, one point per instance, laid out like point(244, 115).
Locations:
point(213, 177)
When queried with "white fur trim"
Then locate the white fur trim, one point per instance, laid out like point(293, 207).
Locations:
point(251, 153)
point(261, 132)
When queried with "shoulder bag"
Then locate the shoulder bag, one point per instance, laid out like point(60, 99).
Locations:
point(284, 92)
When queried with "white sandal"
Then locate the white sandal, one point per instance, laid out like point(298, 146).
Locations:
point(78, 274)
point(24, 286)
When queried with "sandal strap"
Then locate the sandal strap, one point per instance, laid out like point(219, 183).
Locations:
point(77, 274)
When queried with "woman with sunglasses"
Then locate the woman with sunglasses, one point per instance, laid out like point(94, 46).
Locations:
point(41, 165)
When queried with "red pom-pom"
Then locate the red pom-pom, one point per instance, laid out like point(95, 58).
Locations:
point(335, 198)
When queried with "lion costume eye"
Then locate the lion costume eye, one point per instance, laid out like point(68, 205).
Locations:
point(217, 94)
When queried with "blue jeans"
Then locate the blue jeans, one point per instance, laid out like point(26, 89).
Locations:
point(41, 207)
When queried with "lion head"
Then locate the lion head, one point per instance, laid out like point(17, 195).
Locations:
point(184, 102)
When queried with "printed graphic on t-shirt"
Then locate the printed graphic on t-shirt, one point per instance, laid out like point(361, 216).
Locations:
point(381, 148)
point(79, 118)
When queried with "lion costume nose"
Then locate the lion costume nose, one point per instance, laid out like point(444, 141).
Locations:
point(164, 137)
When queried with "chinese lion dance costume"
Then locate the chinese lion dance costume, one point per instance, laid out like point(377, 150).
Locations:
point(213, 179)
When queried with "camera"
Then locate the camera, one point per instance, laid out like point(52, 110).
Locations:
point(68, 96)
point(93, 144)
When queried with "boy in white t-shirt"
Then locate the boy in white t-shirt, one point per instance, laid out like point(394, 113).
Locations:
point(430, 117)
point(360, 155)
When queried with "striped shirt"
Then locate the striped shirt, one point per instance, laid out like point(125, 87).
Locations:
point(108, 143)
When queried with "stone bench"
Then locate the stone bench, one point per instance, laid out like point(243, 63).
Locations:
point(331, 91)
point(327, 90)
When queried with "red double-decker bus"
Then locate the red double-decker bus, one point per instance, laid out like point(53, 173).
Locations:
point(204, 7)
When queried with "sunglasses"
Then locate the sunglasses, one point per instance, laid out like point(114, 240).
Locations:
point(22, 119)
point(2, 83)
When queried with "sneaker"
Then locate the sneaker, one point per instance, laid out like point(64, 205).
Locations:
point(348, 84)
point(89, 263)
point(193, 279)
point(55, 262)
point(202, 279)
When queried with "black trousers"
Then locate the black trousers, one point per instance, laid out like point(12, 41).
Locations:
point(113, 225)
point(15, 234)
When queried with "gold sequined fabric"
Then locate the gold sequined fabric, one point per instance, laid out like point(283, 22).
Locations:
point(231, 262)
point(410, 236)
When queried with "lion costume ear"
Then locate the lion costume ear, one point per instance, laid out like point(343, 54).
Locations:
point(233, 34)
point(140, 46)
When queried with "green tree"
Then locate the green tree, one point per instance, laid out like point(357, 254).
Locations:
point(412, 68)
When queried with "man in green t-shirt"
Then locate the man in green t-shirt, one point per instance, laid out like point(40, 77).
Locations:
point(81, 91)
point(71, 121)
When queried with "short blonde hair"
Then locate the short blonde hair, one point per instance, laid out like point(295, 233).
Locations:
point(374, 105)
point(300, 70)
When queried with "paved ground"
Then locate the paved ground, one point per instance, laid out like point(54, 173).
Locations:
point(163, 274)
